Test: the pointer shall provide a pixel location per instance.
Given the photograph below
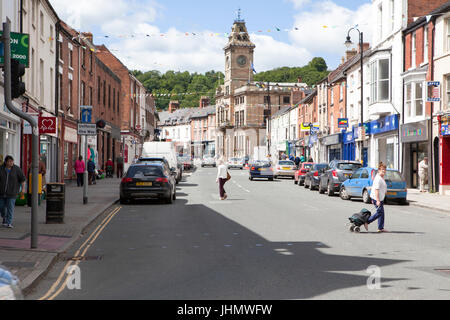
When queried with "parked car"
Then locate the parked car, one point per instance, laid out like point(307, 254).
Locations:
point(236, 163)
point(359, 185)
point(303, 168)
point(148, 180)
point(186, 162)
point(312, 176)
point(338, 171)
point(285, 168)
point(261, 169)
point(9, 285)
point(163, 160)
point(208, 161)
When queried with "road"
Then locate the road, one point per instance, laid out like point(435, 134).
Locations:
point(268, 240)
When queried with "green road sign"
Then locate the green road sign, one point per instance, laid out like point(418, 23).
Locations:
point(20, 49)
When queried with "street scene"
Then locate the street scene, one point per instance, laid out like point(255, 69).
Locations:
point(235, 158)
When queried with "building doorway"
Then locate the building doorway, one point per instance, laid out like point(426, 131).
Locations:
point(418, 151)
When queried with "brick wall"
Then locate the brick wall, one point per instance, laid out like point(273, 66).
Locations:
point(419, 8)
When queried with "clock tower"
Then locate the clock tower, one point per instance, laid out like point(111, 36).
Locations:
point(238, 57)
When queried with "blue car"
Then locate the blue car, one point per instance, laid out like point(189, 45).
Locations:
point(359, 185)
point(261, 169)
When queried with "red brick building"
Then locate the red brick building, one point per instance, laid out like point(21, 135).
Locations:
point(67, 101)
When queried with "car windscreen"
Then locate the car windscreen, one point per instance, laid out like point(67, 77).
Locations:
point(286, 163)
point(144, 171)
point(349, 166)
point(263, 164)
point(307, 165)
point(320, 166)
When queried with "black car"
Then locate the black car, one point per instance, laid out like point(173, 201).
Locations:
point(148, 181)
point(338, 171)
point(261, 169)
point(149, 160)
point(312, 176)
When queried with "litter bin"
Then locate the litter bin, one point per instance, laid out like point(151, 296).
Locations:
point(56, 202)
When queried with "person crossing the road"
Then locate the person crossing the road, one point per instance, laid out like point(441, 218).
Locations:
point(378, 194)
point(222, 177)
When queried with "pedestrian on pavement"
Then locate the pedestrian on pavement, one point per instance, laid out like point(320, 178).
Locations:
point(297, 161)
point(302, 159)
point(109, 168)
point(42, 171)
point(11, 180)
point(222, 177)
point(91, 171)
point(79, 170)
point(119, 161)
point(136, 159)
point(423, 173)
point(378, 194)
point(310, 159)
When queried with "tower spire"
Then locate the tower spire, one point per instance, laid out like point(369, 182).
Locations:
point(239, 19)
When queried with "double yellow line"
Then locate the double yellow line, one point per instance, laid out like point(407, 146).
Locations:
point(59, 286)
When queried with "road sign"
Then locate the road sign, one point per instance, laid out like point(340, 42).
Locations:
point(86, 114)
point(87, 129)
point(20, 49)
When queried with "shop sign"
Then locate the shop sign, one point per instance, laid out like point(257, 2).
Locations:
point(385, 124)
point(330, 140)
point(414, 132)
point(445, 131)
point(348, 137)
point(342, 123)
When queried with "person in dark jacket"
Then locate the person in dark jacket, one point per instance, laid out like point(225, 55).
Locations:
point(91, 171)
point(11, 179)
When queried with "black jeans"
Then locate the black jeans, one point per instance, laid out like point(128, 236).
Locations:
point(80, 179)
point(221, 187)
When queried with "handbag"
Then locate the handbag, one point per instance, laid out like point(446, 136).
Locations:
point(228, 176)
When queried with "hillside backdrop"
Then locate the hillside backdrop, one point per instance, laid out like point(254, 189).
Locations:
point(188, 88)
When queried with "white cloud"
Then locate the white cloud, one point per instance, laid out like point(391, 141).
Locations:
point(323, 30)
point(200, 53)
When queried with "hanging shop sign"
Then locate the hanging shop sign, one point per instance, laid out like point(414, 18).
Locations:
point(434, 91)
point(342, 123)
point(47, 125)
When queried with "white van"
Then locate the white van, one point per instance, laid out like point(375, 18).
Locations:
point(162, 149)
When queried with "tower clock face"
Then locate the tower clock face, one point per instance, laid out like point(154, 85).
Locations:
point(242, 61)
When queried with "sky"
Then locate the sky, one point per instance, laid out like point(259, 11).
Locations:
point(190, 36)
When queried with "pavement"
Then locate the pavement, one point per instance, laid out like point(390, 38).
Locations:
point(54, 239)
point(428, 200)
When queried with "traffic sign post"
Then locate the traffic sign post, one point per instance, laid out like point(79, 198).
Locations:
point(86, 114)
point(87, 129)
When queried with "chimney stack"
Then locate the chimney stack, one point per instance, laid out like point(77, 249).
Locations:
point(173, 106)
point(204, 102)
point(366, 46)
point(350, 54)
point(88, 36)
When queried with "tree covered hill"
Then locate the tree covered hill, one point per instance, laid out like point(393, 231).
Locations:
point(187, 88)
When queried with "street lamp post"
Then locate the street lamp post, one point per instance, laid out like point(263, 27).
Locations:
point(348, 43)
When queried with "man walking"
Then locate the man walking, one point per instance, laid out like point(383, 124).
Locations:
point(423, 173)
point(119, 161)
point(11, 179)
point(91, 171)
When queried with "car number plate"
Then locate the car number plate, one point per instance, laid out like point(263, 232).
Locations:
point(286, 168)
point(347, 175)
point(260, 169)
point(391, 193)
point(144, 184)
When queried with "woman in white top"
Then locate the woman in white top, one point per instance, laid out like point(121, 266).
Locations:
point(378, 194)
point(222, 175)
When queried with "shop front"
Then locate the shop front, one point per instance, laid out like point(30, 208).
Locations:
point(444, 154)
point(9, 136)
point(348, 145)
point(333, 144)
point(416, 146)
point(70, 150)
point(385, 142)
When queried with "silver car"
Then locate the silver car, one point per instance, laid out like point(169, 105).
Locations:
point(208, 161)
point(237, 163)
point(285, 168)
point(9, 286)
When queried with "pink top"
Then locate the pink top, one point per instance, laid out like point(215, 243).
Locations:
point(79, 166)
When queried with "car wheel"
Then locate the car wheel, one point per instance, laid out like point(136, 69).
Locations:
point(123, 200)
point(321, 191)
point(366, 196)
point(270, 179)
point(251, 178)
point(403, 202)
point(330, 190)
point(343, 194)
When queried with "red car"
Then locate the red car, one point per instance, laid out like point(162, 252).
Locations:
point(301, 172)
